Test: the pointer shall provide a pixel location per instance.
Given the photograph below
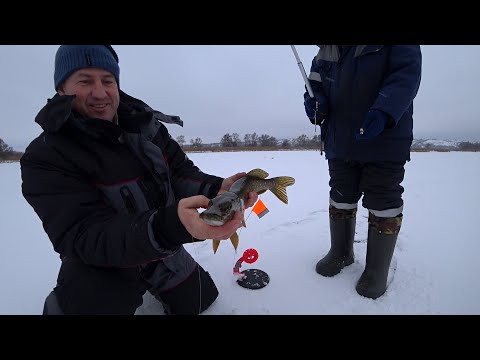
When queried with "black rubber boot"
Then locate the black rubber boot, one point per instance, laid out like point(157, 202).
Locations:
point(342, 232)
point(382, 237)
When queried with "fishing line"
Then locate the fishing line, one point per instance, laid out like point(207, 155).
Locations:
point(198, 264)
point(199, 289)
point(240, 231)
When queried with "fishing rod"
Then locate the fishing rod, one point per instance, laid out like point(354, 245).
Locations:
point(309, 88)
point(302, 71)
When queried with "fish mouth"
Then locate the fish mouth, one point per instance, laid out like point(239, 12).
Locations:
point(212, 219)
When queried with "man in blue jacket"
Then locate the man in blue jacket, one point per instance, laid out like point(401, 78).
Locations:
point(117, 196)
point(364, 106)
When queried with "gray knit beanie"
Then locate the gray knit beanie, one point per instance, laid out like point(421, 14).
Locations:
point(70, 58)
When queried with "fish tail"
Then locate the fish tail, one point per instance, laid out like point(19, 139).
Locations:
point(216, 244)
point(281, 184)
point(234, 239)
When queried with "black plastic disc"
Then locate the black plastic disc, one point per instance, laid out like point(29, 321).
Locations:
point(253, 279)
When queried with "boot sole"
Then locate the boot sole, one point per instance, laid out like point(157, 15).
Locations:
point(333, 273)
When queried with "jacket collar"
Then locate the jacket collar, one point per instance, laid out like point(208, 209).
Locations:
point(332, 52)
point(366, 49)
point(58, 111)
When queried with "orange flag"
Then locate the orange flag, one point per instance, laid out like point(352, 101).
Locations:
point(260, 209)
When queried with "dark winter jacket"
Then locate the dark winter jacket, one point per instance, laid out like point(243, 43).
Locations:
point(358, 78)
point(108, 194)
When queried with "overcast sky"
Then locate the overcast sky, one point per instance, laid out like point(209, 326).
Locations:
point(219, 89)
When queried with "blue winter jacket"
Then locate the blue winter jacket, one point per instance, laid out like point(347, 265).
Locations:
point(367, 77)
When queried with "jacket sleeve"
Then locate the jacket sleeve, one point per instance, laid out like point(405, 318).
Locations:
point(75, 217)
point(402, 80)
point(315, 78)
point(186, 178)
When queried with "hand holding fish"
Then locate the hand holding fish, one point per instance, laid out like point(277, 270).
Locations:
point(250, 197)
point(189, 217)
point(228, 182)
point(232, 197)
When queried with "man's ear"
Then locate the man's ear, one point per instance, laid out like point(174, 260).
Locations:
point(60, 90)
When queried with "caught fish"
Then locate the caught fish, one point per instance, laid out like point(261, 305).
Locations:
point(222, 208)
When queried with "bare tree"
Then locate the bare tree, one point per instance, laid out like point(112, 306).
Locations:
point(197, 143)
point(267, 140)
point(235, 139)
point(4, 148)
point(251, 139)
point(301, 141)
point(285, 143)
point(254, 139)
point(226, 140)
point(181, 140)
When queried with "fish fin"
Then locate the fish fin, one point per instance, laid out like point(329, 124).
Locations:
point(235, 240)
point(258, 173)
point(215, 243)
point(280, 190)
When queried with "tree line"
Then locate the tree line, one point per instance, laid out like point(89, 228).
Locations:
point(252, 140)
point(469, 146)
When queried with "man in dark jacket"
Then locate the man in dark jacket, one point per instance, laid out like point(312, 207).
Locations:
point(117, 196)
point(364, 105)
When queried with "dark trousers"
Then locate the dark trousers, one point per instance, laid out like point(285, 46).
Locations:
point(178, 282)
point(89, 290)
point(378, 182)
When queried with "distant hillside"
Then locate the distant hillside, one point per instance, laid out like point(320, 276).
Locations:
point(433, 144)
point(445, 145)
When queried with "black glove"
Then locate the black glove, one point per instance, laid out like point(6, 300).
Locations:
point(374, 124)
point(317, 106)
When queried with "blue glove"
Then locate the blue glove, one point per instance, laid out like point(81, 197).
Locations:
point(311, 104)
point(373, 125)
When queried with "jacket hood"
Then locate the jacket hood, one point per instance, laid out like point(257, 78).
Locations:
point(55, 113)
